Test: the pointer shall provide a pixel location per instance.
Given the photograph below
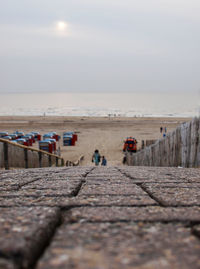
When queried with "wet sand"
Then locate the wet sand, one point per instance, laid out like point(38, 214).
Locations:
point(102, 133)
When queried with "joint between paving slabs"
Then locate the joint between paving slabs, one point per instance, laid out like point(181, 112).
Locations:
point(46, 242)
point(76, 191)
point(146, 191)
point(185, 223)
point(151, 195)
point(87, 173)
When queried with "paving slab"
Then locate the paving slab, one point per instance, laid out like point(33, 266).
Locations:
point(24, 232)
point(112, 200)
point(174, 196)
point(20, 178)
point(149, 214)
point(33, 192)
point(108, 246)
point(40, 184)
point(156, 174)
point(15, 182)
point(176, 185)
point(79, 201)
point(40, 200)
point(46, 188)
point(117, 189)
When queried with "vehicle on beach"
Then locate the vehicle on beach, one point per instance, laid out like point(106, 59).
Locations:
point(130, 144)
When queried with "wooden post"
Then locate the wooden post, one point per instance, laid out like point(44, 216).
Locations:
point(5, 149)
point(56, 161)
point(49, 160)
point(142, 144)
point(26, 158)
point(62, 162)
point(40, 159)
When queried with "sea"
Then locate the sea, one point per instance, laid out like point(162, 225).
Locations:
point(138, 104)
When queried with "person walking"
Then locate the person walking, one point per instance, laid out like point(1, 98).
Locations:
point(104, 161)
point(96, 157)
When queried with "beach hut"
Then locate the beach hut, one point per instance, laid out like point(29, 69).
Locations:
point(55, 136)
point(68, 133)
point(19, 134)
point(46, 146)
point(28, 139)
point(48, 136)
point(37, 136)
point(67, 140)
point(3, 134)
point(73, 137)
point(7, 137)
point(13, 136)
point(22, 141)
point(32, 136)
point(73, 140)
point(53, 142)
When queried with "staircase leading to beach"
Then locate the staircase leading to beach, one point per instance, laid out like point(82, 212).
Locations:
point(100, 217)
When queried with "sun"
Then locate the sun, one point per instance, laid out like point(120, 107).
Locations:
point(61, 26)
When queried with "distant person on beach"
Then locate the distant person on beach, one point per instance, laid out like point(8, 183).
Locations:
point(104, 161)
point(96, 157)
point(161, 129)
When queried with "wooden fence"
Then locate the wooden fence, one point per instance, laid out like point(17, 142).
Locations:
point(179, 148)
point(13, 155)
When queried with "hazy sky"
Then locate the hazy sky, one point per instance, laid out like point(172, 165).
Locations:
point(99, 45)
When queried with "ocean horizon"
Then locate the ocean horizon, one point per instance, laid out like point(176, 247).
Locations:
point(137, 104)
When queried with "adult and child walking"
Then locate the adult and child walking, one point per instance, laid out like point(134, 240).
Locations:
point(96, 158)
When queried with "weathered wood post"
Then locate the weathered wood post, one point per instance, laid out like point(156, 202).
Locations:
point(5, 150)
point(40, 159)
point(142, 147)
point(49, 160)
point(26, 158)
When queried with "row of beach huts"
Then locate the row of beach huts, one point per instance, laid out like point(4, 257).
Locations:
point(47, 142)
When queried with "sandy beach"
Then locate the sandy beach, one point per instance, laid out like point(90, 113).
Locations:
point(102, 133)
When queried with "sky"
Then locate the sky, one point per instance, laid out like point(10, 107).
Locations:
point(99, 45)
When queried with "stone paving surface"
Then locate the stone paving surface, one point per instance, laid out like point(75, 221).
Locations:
point(100, 218)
